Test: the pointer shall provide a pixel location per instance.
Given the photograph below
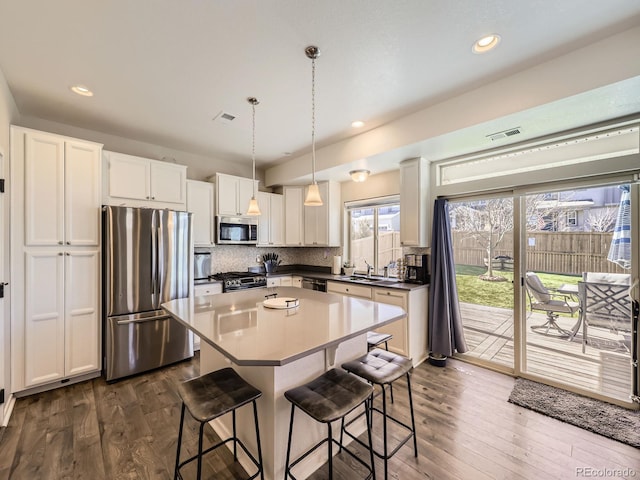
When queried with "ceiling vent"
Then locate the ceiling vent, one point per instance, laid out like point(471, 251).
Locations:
point(505, 133)
point(224, 118)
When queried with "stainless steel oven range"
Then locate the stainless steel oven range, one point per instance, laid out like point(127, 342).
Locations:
point(233, 281)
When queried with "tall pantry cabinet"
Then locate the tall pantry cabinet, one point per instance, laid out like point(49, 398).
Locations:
point(55, 244)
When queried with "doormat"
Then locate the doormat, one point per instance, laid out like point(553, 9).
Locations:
point(603, 418)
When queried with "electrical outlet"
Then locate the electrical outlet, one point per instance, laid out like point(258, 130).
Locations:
point(258, 259)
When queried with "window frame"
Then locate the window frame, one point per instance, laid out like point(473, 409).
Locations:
point(376, 204)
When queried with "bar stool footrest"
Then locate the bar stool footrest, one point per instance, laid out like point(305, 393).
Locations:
point(389, 417)
point(218, 445)
point(288, 473)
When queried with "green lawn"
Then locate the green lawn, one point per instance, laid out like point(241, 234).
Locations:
point(471, 289)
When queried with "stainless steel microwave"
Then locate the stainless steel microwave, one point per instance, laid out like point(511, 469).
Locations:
point(237, 230)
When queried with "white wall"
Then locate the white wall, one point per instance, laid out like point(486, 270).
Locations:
point(8, 115)
point(603, 63)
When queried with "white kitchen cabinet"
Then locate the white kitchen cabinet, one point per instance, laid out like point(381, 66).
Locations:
point(349, 289)
point(271, 221)
point(233, 194)
point(61, 190)
point(410, 334)
point(137, 182)
point(322, 223)
point(293, 215)
point(62, 322)
point(414, 203)
point(207, 289)
point(280, 281)
point(296, 281)
point(200, 204)
point(55, 259)
point(399, 343)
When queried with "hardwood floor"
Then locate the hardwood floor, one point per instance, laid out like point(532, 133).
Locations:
point(466, 430)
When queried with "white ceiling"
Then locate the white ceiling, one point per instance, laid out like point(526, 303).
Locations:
point(161, 70)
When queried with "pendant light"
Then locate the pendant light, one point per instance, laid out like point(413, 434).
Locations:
point(313, 198)
point(253, 209)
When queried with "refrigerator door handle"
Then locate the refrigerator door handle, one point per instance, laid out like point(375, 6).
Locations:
point(143, 320)
point(155, 290)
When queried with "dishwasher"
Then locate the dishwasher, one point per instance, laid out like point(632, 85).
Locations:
point(314, 284)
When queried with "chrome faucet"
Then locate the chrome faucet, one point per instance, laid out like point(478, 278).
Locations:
point(369, 268)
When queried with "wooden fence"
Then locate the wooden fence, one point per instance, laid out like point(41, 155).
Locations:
point(389, 250)
point(553, 252)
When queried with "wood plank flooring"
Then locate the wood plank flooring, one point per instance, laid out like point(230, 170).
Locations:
point(466, 430)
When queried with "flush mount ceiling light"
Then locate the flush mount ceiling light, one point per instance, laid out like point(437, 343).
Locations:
point(359, 175)
point(253, 209)
point(357, 124)
point(486, 43)
point(313, 198)
point(81, 90)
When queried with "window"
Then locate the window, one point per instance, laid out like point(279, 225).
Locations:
point(572, 218)
point(374, 235)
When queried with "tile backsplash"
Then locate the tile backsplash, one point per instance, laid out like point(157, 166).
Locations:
point(238, 258)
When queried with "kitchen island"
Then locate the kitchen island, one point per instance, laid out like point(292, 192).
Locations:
point(278, 349)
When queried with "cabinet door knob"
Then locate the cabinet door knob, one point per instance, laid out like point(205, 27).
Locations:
point(388, 293)
point(153, 198)
point(60, 242)
point(60, 254)
point(67, 254)
point(68, 243)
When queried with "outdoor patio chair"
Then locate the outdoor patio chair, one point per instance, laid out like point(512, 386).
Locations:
point(552, 303)
point(605, 304)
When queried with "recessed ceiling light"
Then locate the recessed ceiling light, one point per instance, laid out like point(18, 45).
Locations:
point(357, 124)
point(82, 90)
point(486, 43)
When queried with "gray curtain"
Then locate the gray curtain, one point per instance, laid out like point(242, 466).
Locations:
point(445, 322)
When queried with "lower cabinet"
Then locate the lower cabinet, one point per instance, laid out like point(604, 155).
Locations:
point(282, 281)
point(200, 291)
point(62, 321)
point(400, 342)
point(410, 333)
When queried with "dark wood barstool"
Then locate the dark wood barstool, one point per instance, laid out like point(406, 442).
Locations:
point(376, 338)
point(380, 367)
point(328, 398)
point(210, 396)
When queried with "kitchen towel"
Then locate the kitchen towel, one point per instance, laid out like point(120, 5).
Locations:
point(337, 265)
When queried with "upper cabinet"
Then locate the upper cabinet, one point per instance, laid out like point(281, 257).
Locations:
point(233, 194)
point(414, 203)
point(200, 204)
point(62, 190)
point(322, 224)
point(271, 220)
point(137, 181)
point(293, 216)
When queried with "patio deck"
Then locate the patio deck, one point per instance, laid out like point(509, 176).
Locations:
point(604, 368)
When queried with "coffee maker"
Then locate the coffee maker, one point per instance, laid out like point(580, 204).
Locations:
point(416, 268)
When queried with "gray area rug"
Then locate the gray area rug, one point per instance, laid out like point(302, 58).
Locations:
point(602, 418)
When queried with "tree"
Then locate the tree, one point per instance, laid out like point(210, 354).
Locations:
point(489, 221)
point(486, 221)
point(601, 220)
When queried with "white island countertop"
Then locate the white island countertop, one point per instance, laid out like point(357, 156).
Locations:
point(246, 332)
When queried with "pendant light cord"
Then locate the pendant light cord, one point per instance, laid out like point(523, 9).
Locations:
point(253, 145)
point(313, 120)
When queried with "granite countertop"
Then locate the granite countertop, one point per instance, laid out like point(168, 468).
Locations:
point(374, 281)
point(240, 327)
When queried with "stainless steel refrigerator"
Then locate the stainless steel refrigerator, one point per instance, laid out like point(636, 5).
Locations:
point(146, 262)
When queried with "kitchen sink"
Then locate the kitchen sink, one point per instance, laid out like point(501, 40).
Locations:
point(380, 281)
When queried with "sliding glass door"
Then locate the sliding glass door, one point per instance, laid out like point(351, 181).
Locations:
point(567, 320)
point(577, 274)
point(483, 244)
